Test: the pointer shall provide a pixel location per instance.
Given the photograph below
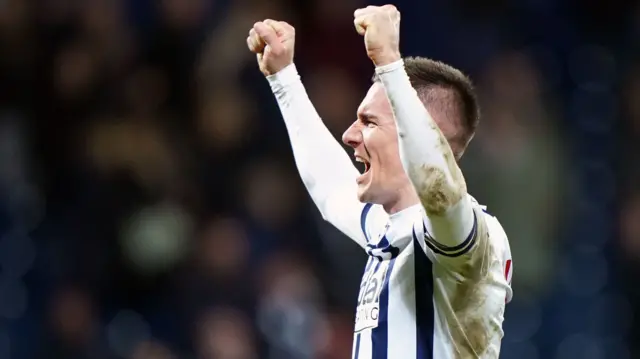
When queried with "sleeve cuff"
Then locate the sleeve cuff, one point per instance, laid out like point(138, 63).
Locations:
point(394, 77)
point(390, 67)
point(284, 77)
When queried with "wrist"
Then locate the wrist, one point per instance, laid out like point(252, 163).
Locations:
point(390, 67)
point(386, 58)
point(285, 76)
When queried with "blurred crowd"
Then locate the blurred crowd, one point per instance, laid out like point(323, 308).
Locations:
point(150, 207)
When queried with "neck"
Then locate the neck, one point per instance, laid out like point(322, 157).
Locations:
point(404, 198)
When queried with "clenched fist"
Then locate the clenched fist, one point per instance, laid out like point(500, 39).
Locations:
point(380, 26)
point(272, 41)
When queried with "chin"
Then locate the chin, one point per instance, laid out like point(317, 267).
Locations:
point(362, 197)
point(365, 193)
point(362, 194)
point(370, 189)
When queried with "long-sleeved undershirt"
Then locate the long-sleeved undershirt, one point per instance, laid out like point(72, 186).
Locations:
point(325, 168)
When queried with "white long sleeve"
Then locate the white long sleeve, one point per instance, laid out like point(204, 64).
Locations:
point(324, 166)
point(428, 160)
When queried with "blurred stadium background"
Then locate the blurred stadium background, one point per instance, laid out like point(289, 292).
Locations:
point(150, 209)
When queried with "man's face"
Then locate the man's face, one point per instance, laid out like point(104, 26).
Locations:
point(374, 138)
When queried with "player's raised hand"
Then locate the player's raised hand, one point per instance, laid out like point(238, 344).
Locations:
point(380, 26)
point(273, 43)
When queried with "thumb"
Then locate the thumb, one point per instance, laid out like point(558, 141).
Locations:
point(268, 34)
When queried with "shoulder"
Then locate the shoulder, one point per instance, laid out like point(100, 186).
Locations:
point(495, 233)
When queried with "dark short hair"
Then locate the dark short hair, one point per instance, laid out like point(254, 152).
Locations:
point(454, 96)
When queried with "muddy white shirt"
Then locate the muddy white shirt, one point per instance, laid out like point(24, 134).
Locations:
point(420, 300)
point(438, 274)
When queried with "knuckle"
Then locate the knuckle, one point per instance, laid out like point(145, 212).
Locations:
point(390, 9)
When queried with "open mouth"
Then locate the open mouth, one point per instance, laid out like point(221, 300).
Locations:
point(365, 165)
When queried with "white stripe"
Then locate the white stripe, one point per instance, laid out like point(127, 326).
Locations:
point(365, 345)
point(442, 348)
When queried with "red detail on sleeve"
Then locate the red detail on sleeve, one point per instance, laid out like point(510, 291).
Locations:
point(507, 269)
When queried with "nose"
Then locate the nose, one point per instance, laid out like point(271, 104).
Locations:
point(352, 136)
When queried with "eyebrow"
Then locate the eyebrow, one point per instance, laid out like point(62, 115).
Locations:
point(365, 115)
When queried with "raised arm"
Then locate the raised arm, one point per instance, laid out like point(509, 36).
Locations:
point(451, 223)
point(325, 168)
point(428, 160)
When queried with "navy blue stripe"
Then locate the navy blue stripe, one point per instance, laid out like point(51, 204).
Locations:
point(356, 354)
point(470, 245)
point(363, 220)
point(380, 334)
point(384, 247)
point(424, 303)
point(458, 247)
point(450, 255)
